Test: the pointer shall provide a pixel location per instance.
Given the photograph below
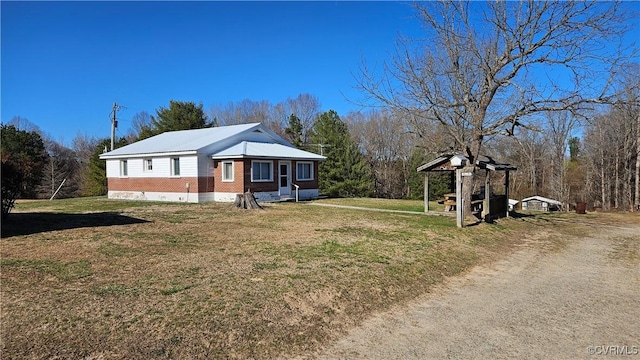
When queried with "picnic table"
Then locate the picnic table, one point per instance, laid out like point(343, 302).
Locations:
point(450, 202)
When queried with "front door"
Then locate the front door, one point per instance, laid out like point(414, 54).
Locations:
point(285, 178)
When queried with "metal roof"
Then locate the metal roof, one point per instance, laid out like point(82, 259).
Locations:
point(207, 140)
point(435, 163)
point(483, 162)
point(487, 162)
point(544, 199)
point(247, 149)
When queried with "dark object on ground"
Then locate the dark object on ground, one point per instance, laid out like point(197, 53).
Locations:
point(247, 201)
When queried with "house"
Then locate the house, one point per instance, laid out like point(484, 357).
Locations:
point(212, 164)
point(540, 203)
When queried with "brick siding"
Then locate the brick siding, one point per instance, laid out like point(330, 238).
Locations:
point(159, 184)
point(304, 185)
point(259, 186)
point(237, 186)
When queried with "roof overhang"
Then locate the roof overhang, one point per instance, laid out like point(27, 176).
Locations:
point(215, 157)
point(148, 155)
point(255, 150)
point(442, 163)
point(542, 198)
point(495, 166)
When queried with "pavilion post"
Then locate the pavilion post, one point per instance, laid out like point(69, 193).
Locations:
point(459, 199)
point(506, 190)
point(426, 191)
point(486, 202)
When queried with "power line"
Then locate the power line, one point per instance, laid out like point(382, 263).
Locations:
point(321, 147)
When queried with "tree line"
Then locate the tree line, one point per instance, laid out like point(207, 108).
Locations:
point(373, 153)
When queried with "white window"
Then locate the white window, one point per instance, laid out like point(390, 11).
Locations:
point(227, 171)
point(261, 171)
point(148, 165)
point(124, 168)
point(175, 166)
point(304, 171)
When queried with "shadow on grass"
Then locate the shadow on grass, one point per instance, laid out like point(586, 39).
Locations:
point(512, 214)
point(32, 223)
point(518, 215)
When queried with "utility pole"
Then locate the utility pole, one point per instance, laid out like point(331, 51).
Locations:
point(321, 147)
point(114, 123)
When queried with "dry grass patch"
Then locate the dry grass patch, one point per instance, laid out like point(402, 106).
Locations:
point(209, 281)
point(387, 204)
point(627, 249)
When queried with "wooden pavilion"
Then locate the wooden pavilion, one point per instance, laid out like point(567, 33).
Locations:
point(485, 202)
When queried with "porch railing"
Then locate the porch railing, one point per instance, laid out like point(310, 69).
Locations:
point(297, 187)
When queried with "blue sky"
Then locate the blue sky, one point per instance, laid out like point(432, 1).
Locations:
point(65, 63)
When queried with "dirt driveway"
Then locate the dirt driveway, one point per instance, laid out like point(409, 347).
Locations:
point(579, 301)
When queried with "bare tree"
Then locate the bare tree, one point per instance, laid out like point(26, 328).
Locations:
point(483, 69)
point(276, 117)
point(61, 172)
point(611, 144)
point(559, 128)
point(244, 112)
point(228, 114)
point(387, 146)
point(596, 139)
point(637, 181)
point(529, 154)
point(84, 147)
point(25, 124)
point(140, 127)
point(629, 107)
point(307, 108)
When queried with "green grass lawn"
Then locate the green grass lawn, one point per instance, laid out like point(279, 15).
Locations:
point(98, 278)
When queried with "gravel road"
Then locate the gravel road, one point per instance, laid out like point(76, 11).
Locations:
point(581, 301)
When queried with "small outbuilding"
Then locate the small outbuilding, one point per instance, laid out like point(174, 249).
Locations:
point(485, 201)
point(540, 203)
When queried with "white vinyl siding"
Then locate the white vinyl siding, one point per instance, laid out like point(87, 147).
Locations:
point(261, 171)
point(161, 167)
point(188, 166)
point(304, 171)
point(227, 171)
point(113, 168)
point(124, 168)
point(205, 165)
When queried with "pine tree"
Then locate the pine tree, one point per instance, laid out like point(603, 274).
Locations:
point(180, 115)
point(294, 130)
point(345, 172)
point(96, 177)
point(23, 160)
point(440, 183)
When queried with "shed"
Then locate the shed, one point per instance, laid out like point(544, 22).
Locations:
point(541, 203)
point(486, 202)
